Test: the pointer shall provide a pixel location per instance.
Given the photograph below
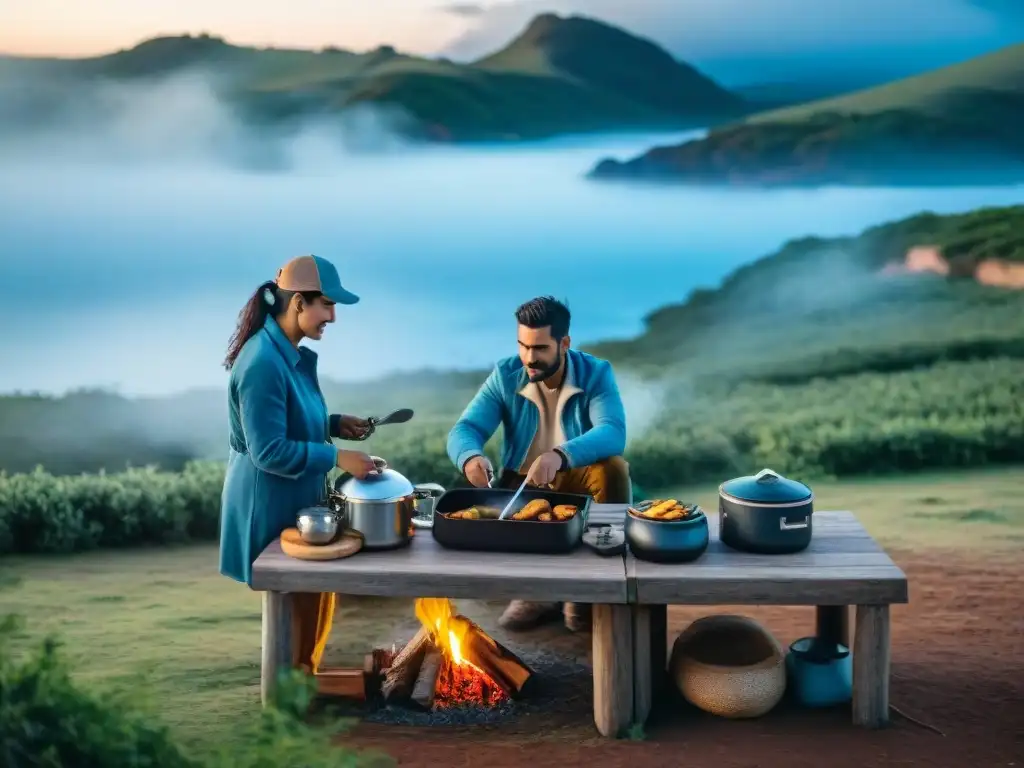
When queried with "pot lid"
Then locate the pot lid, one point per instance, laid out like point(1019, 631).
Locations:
point(383, 484)
point(766, 487)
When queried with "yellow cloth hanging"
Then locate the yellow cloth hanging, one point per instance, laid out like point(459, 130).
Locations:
point(324, 621)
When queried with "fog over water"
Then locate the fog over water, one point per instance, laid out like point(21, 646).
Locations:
point(129, 245)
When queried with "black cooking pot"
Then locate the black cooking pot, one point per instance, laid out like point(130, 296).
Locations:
point(667, 541)
point(765, 514)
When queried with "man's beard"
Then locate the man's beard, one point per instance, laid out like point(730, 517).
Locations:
point(544, 373)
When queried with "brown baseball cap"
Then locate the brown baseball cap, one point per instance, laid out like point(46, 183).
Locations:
point(312, 273)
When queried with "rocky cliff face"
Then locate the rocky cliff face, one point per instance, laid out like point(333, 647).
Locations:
point(998, 273)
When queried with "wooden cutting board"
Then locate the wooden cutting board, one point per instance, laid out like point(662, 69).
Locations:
point(345, 545)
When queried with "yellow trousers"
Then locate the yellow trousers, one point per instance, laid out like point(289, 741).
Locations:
point(313, 615)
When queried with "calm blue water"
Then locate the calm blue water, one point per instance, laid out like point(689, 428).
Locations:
point(130, 273)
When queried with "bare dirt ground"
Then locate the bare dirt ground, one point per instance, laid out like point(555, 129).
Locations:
point(957, 665)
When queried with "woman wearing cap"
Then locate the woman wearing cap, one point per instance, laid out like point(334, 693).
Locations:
point(280, 430)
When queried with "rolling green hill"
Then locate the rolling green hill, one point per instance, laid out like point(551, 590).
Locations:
point(831, 307)
point(813, 359)
point(940, 93)
point(578, 49)
point(560, 75)
point(956, 125)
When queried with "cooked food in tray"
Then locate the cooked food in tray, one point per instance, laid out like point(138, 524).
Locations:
point(539, 510)
point(478, 512)
point(533, 510)
point(563, 511)
point(665, 509)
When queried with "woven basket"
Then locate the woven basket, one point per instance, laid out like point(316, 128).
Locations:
point(729, 666)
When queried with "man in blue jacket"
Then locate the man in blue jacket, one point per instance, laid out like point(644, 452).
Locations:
point(564, 428)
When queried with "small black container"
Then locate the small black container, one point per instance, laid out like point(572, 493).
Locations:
point(765, 514)
point(667, 541)
point(527, 536)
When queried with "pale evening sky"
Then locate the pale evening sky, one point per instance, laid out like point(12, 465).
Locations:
point(785, 34)
point(78, 27)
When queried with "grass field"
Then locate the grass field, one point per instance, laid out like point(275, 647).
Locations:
point(165, 617)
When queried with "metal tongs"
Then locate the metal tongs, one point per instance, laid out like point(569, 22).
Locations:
point(400, 416)
point(512, 501)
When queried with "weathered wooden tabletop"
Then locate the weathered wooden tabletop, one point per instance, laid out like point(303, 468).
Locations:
point(842, 566)
point(426, 569)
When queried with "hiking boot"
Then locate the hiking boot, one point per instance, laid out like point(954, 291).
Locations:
point(522, 615)
point(578, 617)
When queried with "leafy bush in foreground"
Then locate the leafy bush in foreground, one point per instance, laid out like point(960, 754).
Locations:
point(47, 720)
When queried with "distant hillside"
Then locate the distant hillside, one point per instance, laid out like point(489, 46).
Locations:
point(776, 95)
point(827, 355)
point(844, 305)
point(560, 75)
point(990, 81)
point(608, 59)
point(956, 125)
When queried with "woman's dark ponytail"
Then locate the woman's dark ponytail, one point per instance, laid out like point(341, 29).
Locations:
point(252, 317)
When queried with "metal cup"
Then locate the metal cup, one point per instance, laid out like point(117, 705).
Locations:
point(425, 498)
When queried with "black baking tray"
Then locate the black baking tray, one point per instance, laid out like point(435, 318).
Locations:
point(527, 536)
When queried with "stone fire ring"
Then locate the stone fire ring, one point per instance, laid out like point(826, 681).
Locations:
point(729, 666)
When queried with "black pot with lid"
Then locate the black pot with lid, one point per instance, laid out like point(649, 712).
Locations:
point(765, 513)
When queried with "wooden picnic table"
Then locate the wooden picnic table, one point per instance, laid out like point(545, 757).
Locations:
point(425, 569)
point(843, 566)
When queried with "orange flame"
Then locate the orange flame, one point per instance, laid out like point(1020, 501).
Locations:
point(460, 680)
point(437, 614)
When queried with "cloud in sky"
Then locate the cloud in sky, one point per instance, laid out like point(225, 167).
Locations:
point(470, 10)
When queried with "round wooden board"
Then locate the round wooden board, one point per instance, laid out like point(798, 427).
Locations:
point(345, 545)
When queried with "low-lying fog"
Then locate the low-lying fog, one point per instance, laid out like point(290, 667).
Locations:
point(129, 246)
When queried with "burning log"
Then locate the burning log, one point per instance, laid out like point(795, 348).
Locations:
point(375, 664)
point(476, 669)
point(497, 662)
point(401, 675)
point(426, 681)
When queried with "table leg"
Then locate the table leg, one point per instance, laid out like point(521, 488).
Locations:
point(277, 641)
point(659, 646)
point(613, 669)
point(833, 624)
point(649, 657)
point(871, 666)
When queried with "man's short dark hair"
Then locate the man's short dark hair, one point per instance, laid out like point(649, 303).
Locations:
point(545, 311)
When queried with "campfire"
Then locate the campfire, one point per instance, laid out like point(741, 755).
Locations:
point(451, 662)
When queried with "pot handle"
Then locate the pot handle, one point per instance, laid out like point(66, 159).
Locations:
point(427, 491)
point(336, 503)
point(371, 428)
point(767, 476)
point(785, 525)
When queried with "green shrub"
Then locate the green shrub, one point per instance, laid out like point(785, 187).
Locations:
point(48, 721)
point(43, 513)
point(948, 415)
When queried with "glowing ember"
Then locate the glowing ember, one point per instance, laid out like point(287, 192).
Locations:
point(465, 684)
point(460, 681)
